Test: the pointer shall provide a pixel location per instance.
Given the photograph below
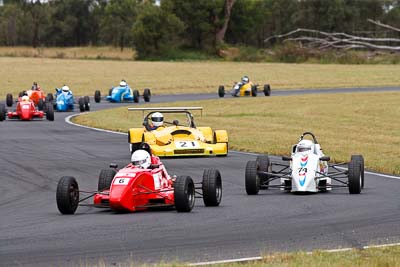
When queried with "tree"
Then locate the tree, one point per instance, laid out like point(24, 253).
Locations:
point(116, 25)
point(220, 34)
point(155, 30)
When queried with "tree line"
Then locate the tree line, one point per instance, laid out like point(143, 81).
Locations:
point(199, 25)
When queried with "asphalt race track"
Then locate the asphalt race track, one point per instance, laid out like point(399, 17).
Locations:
point(34, 155)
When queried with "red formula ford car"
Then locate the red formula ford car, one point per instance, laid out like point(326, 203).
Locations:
point(26, 110)
point(143, 184)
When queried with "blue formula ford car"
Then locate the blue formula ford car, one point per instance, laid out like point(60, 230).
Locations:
point(123, 93)
point(63, 100)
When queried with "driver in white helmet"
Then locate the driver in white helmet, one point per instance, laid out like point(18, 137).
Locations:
point(304, 146)
point(141, 159)
point(123, 83)
point(245, 80)
point(157, 121)
point(65, 89)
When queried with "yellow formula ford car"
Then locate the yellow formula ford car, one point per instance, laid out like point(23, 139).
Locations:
point(171, 132)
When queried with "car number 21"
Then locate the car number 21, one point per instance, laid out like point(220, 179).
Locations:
point(186, 144)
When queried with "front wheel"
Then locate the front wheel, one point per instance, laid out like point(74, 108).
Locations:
point(136, 96)
point(184, 193)
point(354, 176)
point(212, 187)
point(49, 112)
point(252, 181)
point(86, 100)
point(49, 98)
point(221, 91)
point(67, 195)
point(267, 90)
point(264, 165)
point(253, 90)
point(9, 100)
point(81, 103)
point(361, 159)
point(97, 96)
point(147, 95)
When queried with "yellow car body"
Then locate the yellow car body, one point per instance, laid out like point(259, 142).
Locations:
point(178, 140)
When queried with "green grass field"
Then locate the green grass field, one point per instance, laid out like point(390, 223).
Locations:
point(84, 76)
point(345, 124)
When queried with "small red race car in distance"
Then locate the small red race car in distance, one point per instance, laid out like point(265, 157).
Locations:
point(36, 94)
point(135, 189)
point(26, 110)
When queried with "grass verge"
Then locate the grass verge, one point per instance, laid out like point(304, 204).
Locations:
point(345, 124)
point(84, 76)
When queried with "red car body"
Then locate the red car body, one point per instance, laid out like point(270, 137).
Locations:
point(26, 111)
point(134, 189)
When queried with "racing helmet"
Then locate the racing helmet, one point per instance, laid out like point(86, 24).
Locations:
point(141, 158)
point(304, 145)
point(245, 79)
point(25, 98)
point(157, 119)
point(65, 88)
point(122, 83)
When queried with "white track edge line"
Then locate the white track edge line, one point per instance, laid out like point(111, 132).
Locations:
point(309, 253)
point(68, 120)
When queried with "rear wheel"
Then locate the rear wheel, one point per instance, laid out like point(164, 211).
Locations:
point(254, 90)
point(9, 100)
point(97, 96)
point(133, 147)
point(252, 181)
point(361, 159)
point(184, 193)
point(267, 90)
point(147, 95)
point(212, 187)
point(2, 112)
point(49, 112)
point(221, 91)
point(264, 165)
point(354, 176)
point(67, 195)
point(105, 179)
point(40, 104)
point(86, 100)
point(136, 96)
point(49, 98)
point(81, 103)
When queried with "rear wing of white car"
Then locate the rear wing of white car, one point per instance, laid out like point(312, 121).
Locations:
point(168, 109)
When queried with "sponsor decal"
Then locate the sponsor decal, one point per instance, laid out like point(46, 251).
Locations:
point(303, 170)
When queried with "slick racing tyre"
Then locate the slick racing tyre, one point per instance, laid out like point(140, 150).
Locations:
point(86, 100)
point(136, 96)
point(9, 100)
point(252, 181)
point(49, 98)
point(2, 112)
point(105, 179)
point(361, 159)
point(254, 90)
point(67, 195)
point(267, 90)
point(147, 95)
point(81, 103)
point(184, 193)
point(354, 176)
point(221, 91)
point(97, 96)
point(264, 165)
point(40, 104)
point(212, 187)
point(49, 112)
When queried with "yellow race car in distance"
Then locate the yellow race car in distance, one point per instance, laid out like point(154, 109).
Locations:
point(177, 138)
point(244, 89)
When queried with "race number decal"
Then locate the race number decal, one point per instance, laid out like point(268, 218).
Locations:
point(186, 144)
point(26, 107)
point(121, 181)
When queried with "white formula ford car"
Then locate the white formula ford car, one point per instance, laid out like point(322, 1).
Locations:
point(307, 172)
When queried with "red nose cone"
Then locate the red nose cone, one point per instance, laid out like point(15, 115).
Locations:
point(25, 112)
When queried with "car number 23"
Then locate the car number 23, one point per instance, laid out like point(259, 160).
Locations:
point(186, 144)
